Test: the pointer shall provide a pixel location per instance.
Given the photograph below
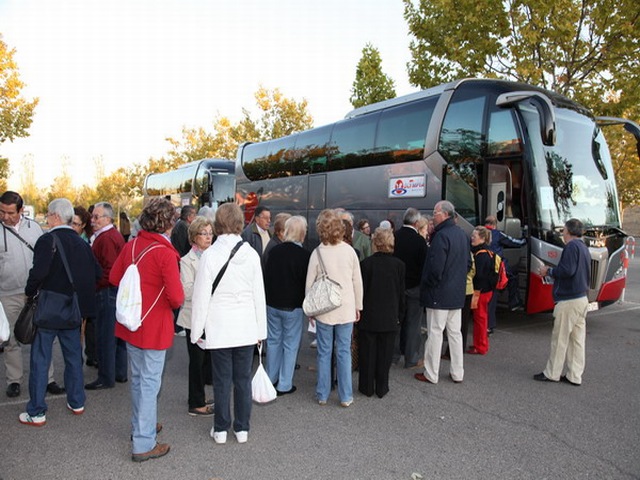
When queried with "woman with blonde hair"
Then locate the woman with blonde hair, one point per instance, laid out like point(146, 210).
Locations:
point(484, 283)
point(284, 277)
point(335, 327)
point(233, 319)
point(200, 237)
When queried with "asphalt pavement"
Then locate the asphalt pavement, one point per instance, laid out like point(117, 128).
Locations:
point(497, 424)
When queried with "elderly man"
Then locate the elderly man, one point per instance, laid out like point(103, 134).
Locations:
point(54, 252)
point(19, 236)
point(106, 244)
point(443, 291)
point(411, 248)
point(258, 233)
point(180, 231)
point(570, 287)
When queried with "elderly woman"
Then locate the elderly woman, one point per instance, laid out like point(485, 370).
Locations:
point(233, 319)
point(146, 347)
point(335, 327)
point(383, 283)
point(200, 237)
point(284, 276)
point(484, 282)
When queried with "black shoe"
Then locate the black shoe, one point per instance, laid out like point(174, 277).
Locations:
point(13, 390)
point(542, 378)
point(54, 389)
point(293, 389)
point(91, 363)
point(97, 385)
point(489, 331)
point(566, 380)
point(122, 380)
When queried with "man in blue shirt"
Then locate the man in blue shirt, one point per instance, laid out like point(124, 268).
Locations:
point(570, 287)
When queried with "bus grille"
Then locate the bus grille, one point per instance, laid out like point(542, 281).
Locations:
point(594, 283)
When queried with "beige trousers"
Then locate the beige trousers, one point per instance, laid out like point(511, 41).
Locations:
point(437, 321)
point(567, 340)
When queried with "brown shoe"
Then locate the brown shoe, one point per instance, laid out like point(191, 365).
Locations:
point(160, 450)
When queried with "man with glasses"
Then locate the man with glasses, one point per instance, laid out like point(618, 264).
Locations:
point(19, 236)
point(106, 244)
point(258, 232)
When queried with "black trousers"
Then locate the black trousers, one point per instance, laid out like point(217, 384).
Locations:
point(375, 352)
point(199, 372)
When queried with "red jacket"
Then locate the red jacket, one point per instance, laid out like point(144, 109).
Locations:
point(158, 268)
point(106, 248)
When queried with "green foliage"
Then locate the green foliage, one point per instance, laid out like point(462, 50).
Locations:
point(588, 50)
point(371, 84)
point(4, 173)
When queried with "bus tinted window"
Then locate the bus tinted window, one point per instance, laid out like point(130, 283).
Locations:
point(461, 138)
point(402, 131)
point(278, 158)
point(311, 151)
point(503, 137)
point(352, 142)
point(253, 164)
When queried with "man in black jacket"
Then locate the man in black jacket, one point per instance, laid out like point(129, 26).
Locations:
point(49, 273)
point(411, 248)
point(444, 282)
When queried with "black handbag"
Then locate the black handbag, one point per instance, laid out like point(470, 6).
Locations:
point(58, 311)
point(25, 330)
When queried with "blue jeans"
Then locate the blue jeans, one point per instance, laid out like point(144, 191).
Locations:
point(283, 342)
point(146, 378)
point(232, 365)
point(39, 368)
point(326, 335)
point(111, 352)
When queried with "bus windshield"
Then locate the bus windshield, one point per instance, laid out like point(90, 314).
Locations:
point(574, 178)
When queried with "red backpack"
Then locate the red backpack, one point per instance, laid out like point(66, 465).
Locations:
point(501, 279)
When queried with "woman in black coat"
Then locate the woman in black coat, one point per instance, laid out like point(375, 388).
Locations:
point(383, 283)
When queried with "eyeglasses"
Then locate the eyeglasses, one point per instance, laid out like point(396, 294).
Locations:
point(438, 213)
point(76, 224)
point(205, 234)
point(96, 217)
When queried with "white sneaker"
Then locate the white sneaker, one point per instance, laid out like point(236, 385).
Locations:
point(346, 404)
point(75, 411)
point(35, 421)
point(242, 436)
point(314, 344)
point(181, 333)
point(218, 437)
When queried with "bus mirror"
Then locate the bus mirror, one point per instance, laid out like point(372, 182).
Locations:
point(631, 127)
point(544, 107)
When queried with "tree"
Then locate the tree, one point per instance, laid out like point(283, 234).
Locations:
point(371, 84)
point(16, 113)
point(585, 49)
point(278, 116)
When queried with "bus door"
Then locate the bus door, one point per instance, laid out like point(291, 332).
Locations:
point(317, 201)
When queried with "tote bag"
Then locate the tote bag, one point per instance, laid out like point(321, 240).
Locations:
point(324, 295)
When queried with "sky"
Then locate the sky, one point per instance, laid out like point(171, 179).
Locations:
point(115, 78)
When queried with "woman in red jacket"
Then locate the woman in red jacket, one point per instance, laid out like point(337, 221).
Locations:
point(161, 294)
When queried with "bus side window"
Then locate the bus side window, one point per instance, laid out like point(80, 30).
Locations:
point(253, 156)
point(352, 142)
point(311, 151)
point(402, 131)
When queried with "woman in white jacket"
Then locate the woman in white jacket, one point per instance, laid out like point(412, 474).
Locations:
point(200, 237)
point(342, 265)
point(233, 320)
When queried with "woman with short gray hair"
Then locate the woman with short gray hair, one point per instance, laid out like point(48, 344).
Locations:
point(284, 276)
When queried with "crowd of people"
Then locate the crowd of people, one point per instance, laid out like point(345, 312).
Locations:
point(228, 288)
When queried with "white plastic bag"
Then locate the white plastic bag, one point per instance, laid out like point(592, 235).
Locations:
point(5, 330)
point(262, 390)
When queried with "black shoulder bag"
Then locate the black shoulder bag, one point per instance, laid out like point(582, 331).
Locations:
point(58, 311)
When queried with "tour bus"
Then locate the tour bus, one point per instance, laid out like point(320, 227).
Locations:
point(528, 156)
point(209, 182)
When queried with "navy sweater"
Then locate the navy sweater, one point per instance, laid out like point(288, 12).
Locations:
point(571, 276)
